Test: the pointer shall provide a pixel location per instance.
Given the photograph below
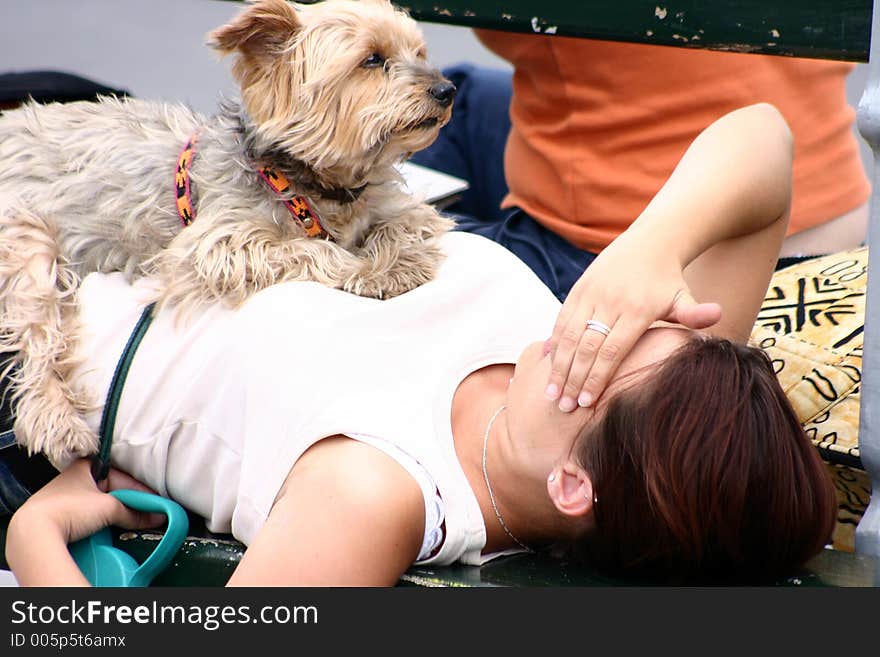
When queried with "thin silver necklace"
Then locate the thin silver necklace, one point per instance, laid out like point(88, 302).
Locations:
point(489, 486)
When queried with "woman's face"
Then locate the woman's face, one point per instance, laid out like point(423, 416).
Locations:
point(534, 420)
point(539, 423)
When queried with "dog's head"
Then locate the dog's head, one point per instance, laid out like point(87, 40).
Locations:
point(341, 85)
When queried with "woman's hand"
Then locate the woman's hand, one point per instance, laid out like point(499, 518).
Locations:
point(67, 509)
point(721, 217)
point(627, 288)
point(75, 504)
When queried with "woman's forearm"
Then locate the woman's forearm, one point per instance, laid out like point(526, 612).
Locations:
point(734, 180)
point(37, 553)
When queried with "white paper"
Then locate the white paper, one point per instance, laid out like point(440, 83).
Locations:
point(437, 187)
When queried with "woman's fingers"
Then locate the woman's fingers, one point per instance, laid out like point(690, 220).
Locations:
point(688, 312)
point(124, 516)
point(127, 518)
point(563, 345)
point(590, 351)
point(113, 511)
point(598, 326)
point(592, 344)
point(117, 479)
point(588, 382)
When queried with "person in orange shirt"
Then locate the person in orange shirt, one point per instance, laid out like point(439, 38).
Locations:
point(584, 133)
point(566, 153)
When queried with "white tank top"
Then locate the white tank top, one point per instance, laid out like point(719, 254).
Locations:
point(216, 411)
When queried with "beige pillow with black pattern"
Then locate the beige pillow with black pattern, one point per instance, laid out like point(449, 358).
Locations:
point(811, 324)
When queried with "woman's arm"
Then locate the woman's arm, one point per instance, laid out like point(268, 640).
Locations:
point(712, 234)
point(67, 509)
point(348, 515)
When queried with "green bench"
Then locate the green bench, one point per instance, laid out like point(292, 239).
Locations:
point(827, 29)
point(208, 560)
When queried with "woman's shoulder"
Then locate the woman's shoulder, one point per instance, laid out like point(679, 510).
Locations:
point(365, 503)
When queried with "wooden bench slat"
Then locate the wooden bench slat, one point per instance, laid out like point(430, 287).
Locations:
point(822, 29)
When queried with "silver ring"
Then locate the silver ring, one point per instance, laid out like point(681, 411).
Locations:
point(596, 325)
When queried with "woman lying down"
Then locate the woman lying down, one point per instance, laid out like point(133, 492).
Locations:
point(344, 439)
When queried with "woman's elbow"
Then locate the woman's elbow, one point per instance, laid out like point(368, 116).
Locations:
point(774, 130)
point(775, 150)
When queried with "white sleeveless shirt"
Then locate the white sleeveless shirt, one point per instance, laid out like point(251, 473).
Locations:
point(216, 411)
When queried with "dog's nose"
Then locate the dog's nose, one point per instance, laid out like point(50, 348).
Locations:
point(443, 92)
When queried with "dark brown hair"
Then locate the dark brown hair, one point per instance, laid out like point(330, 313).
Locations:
point(702, 472)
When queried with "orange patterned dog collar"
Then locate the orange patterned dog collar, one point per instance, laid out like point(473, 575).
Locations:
point(298, 206)
point(182, 192)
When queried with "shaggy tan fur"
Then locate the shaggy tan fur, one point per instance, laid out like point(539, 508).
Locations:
point(333, 95)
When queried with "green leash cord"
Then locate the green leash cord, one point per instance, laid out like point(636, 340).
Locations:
point(101, 460)
point(98, 559)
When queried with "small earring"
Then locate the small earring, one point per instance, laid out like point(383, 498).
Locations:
point(552, 477)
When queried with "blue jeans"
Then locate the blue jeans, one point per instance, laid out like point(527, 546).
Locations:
point(556, 261)
point(12, 492)
point(471, 146)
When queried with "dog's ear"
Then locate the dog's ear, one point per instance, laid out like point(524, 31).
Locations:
point(261, 30)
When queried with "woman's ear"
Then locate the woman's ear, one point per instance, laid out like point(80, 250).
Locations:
point(570, 489)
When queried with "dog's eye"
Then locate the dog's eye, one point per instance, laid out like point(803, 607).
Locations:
point(373, 61)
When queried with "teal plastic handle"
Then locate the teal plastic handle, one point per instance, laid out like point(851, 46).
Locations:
point(104, 565)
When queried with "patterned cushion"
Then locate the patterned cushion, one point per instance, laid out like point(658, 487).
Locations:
point(811, 324)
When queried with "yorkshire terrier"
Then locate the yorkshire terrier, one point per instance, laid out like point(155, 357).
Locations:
point(297, 181)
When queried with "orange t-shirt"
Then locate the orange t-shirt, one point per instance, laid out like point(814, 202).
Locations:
point(598, 127)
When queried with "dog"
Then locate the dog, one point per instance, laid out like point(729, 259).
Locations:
point(296, 180)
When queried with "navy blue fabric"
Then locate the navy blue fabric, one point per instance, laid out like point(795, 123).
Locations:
point(20, 474)
point(12, 492)
point(471, 145)
point(556, 261)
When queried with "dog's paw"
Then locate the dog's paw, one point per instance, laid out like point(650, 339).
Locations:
point(77, 441)
point(57, 431)
point(372, 287)
point(385, 284)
